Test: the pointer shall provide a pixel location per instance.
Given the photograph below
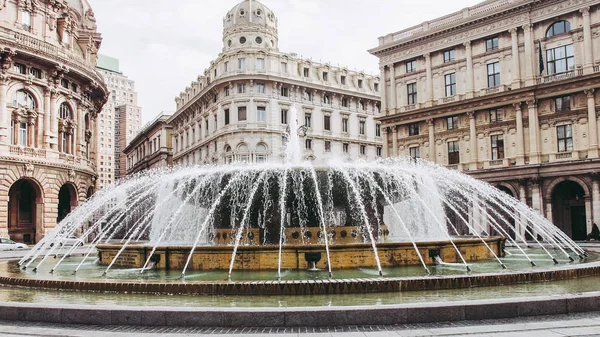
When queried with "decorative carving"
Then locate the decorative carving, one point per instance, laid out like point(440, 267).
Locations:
point(72, 175)
point(28, 170)
point(589, 93)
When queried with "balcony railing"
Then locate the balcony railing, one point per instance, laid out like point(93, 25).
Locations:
point(565, 155)
point(559, 77)
point(496, 163)
point(27, 151)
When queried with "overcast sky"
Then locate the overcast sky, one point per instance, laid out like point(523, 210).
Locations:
point(163, 45)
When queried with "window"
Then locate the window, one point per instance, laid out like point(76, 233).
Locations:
point(491, 44)
point(559, 27)
point(26, 20)
point(450, 81)
point(307, 120)
point(308, 144)
point(563, 103)
point(24, 99)
point(560, 59)
point(309, 96)
point(361, 106)
point(226, 66)
point(377, 130)
point(285, 92)
point(261, 114)
point(227, 91)
point(343, 80)
point(326, 99)
point(413, 129)
point(23, 134)
point(19, 68)
point(306, 72)
point(361, 127)
point(363, 150)
point(35, 72)
point(452, 122)
point(327, 146)
point(241, 114)
point(325, 76)
point(453, 153)
point(360, 84)
point(345, 147)
point(345, 125)
point(412, 93)
point(411, 66)
point(327, 123)
point(497, 147)
point(448, 55)
point(379, 151)
point(284, 116)
point(345, 102)
point(260, 64)
point(376, 87)
point(241, 88)
point(65, 111)
point(284, 67)
point(260, 88)
point(415, 152)
point(241, 63)
point(215, 73)
point(495, 115)
point(64, 83)
point(565, 138)
point(493, 74)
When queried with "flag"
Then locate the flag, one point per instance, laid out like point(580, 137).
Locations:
point(541, 58)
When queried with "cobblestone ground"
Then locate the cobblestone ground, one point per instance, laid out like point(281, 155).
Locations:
point(587, 324)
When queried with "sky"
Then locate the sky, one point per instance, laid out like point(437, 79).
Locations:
point(163, 45)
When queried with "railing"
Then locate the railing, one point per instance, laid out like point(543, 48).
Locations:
point(410, 107)
point(566, 155)
point(449, 99)
point(499, 162)
point(597, 68)
point(27, 151)
point(559, 77)
point(492, 90)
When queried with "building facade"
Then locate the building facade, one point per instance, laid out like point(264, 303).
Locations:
point(50, 95)
point(152, 147)
point(118, 123)
point(506, 91)
point(240, 108)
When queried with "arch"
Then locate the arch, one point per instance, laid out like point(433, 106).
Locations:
point(552, 186)
point(242, 147)
point(65, 111)
point(35, 93)
point(261, 147)
point(67, 200)
point(508, 189)
point(569, 208)
point(24, 98)
point(227, 148)
point(25, 211)
point(90, 192)
point(558, 27)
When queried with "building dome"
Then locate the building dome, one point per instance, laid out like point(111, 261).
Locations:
point(250, 24)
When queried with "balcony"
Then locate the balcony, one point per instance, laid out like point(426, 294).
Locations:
point(559, 77)
point(27, 151)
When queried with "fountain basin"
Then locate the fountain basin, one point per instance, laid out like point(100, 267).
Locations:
point(299, 257)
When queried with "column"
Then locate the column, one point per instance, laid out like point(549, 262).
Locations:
point(520, 135)
point(587, 41)
point(536, 195)
point(5, 117)
point(588, 213)
point(81, 129)
point(470, 81)
point(384, 133)
point(592, 124)
point(431, 140)
point(529, 53)
point(549, 210)
point(383, 89)
point(472, 140)
point(429, 79)
point(534, 133)
point(395, 140)
point(394, 97)
point(516, 67)
point(595, 199)
point(47, 119)
point(75, 135)
point(53, 119)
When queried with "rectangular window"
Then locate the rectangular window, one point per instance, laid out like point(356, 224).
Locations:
point(376, 87)
point(241, 114)
point(284, 67)
point(226, 66)
point(497, 147)
point(285, 92)
point(377, 130)
point(260, 88)
point(327, 123)
point(327, 146)
point(449, 55)
point(563, 103)
point(412, 93)
point(560, 59)
point(495, 115)
point(306, 72)
point(345, 125)
point(343, 80)
point(19, 68)
point(415, 152)
point(564, 135)
point(360, 84)
point(284, 116)
point(345, 102)
point(35, 72)
point(345, 147)
point(453, 153)
point(261, 114)
point(452, 122)
point(450, 81)
point(308, 144)
point(241, 88)
point(26, 20)
point(493, 74)
point(23, 135)
point(241, 63)
point(226, 91)
point(325, 76)
point(411, 66)
point(260, 64)
point(363, 150)
point(491, 43)
point(413, 129)
point(307, 120)
point(361, 127)
point(64, 83)
point(309, 96)
point(379, 151)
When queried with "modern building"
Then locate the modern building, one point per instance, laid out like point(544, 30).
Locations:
point(119, 121)
point(241, 107)
point(50, 96)
point(505, 91)
point(152, 147)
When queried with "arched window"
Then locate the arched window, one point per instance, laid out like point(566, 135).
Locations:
point(64, 111)
point(228, 155)
point(23, 99)
point(559, 27)
point(243, 153)
point(261, 153)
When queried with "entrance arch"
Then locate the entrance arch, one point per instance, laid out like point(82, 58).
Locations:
point(67, 201)
point(568, 209)
point(25, 211)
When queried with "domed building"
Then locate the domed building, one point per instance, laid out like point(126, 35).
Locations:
point(240, 109)
point(50, 94)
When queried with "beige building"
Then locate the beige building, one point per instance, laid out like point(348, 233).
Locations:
point(505, 91)
point(50, 95)
point(240, 108)
point(152, 147)
point(119, 122)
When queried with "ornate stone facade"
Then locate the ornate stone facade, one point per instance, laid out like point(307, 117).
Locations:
point(240, 108)
point(50, 95)
point(152, 147)
point(506, 91)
